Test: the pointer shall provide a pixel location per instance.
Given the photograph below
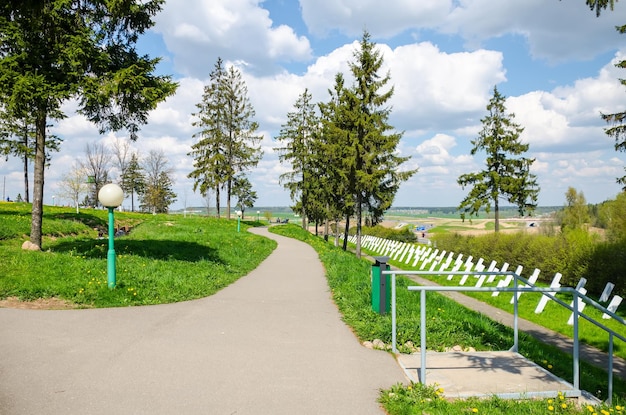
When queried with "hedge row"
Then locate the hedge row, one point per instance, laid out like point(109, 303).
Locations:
point(575, 254)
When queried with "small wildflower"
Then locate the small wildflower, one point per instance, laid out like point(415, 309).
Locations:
point(590, 408)
point(549, 366)
point(475, 410)
point(550, 408)
point(604, 412)
point(563, 405)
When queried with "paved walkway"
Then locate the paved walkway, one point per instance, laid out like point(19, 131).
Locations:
point(271, 343)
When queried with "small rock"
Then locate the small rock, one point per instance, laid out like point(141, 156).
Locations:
point(29, 246)
point(471, 349)
point(378, 344)
point(457, 348)
point(368, 344)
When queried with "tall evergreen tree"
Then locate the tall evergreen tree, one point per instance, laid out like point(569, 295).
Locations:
point(373, 164)
point(209, 151)
point(133, 180)
point(55, 50)
point(334, 142)
point(506, 176)
point(228, 144)
point(297, 136)
point(243, 151)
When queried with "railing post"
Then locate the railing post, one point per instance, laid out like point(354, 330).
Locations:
point(423, 336)
point(610, 397)
point(515, 347)
point(394, 345)
point(576, 345)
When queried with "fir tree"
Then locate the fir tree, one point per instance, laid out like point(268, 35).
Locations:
point(506, 176)
point(56, 50)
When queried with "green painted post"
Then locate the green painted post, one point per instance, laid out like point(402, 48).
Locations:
point(381, 288)
point(111, 271)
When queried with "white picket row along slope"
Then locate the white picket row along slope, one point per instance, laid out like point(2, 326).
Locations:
point(431, 259)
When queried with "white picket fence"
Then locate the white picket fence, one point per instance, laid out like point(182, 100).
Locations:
point(428, 258)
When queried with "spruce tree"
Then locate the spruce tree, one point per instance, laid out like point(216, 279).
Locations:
point(374, 167)
point(228, 144)
point(506, 176)
point(209, 152)
point(133, 180)
point(56, 50)
point(297, 136)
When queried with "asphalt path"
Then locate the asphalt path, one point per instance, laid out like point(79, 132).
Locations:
point(271, 343)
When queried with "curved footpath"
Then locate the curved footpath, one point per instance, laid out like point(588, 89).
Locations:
point(271, 343)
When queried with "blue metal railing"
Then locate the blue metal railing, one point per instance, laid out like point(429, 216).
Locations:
point(529, 287)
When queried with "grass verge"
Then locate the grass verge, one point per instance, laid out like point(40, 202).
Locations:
point(448, 323)
point(164, 259)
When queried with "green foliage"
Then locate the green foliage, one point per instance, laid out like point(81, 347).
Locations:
point(612, 217)
point(300, 139)
point(569, 253)
point(419, 399)
point(165, 258)
point(227, 142)
point(505, 177)
point(401, 235)
point(576, 213)
point(157, 194)
point(58, 50)
point(133, 180)
point(448, 323)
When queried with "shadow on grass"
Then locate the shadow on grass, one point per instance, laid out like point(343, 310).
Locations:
point(87, 219)
point(154, 249)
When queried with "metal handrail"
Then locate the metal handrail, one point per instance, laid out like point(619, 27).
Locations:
point(547, 291)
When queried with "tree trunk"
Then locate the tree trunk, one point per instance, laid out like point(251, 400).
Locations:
point(359, 218)
point(345, 233)
point(26, 190)
point(496, 212)
point(336, 231)
point(217, 200)
point(326, 221)
point(228, 190)
point(38, 179)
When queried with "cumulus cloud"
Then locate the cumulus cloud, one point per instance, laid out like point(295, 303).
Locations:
point(554, 30)
point(382, 19)
point(199, 31)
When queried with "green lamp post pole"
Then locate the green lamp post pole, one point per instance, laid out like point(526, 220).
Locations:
point(238, 220)
point(111, 196)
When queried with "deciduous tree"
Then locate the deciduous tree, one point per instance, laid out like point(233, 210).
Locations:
point(507, 175)
point(157, 194)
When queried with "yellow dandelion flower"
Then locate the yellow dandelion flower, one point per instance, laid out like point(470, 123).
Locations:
point(563, 405)
point(475, 410)
point(549, 366)
point(590, 408)
point(550, 401)
point(604, 412)
point(550, 408)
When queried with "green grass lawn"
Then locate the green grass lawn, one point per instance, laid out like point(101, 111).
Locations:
point(165, 258)
point(448, 324)
point(554, 316)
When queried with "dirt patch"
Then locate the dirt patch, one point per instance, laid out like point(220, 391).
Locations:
point(52, 303)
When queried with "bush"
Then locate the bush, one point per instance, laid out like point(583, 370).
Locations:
point(400, 235)
point(575, 254)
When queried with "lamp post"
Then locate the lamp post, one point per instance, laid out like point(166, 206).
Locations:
point(53, 201)
point(111, 196)
point(258, 212)
point(238, 220)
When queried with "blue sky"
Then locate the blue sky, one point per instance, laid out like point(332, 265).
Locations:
point(554, 60)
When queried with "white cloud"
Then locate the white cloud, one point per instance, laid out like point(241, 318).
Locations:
point(199, 31)
point(554, 30)
point(382, 19)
